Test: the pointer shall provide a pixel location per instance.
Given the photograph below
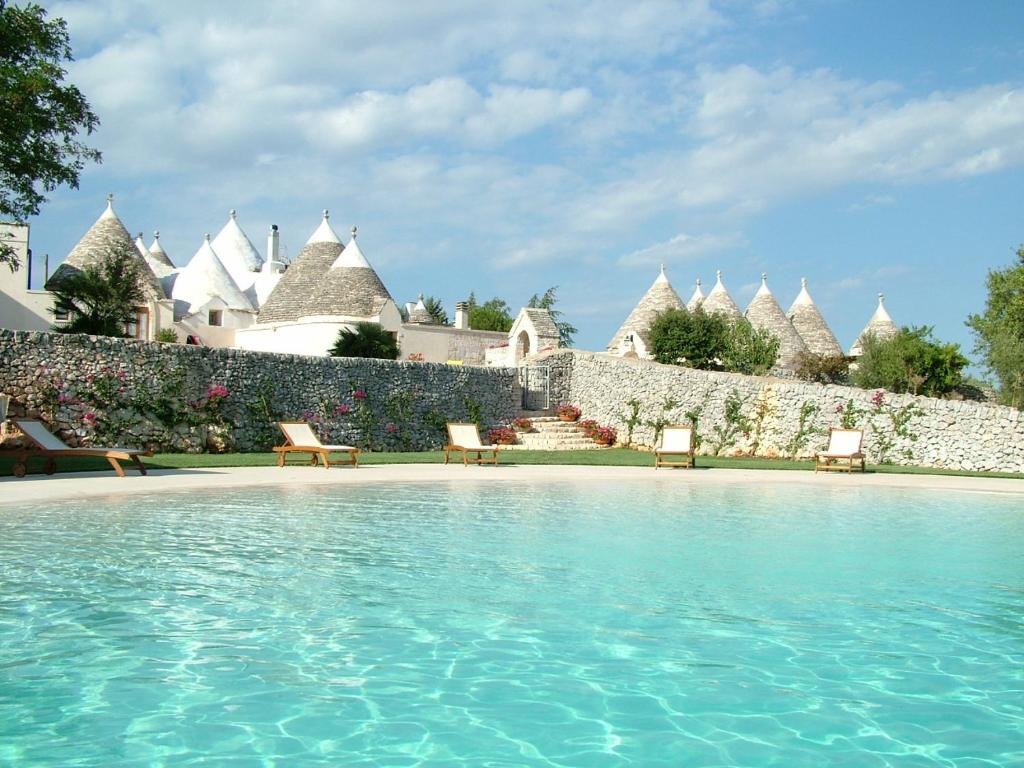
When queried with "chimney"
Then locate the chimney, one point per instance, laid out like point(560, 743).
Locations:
point(462, 315)
point(273, 244)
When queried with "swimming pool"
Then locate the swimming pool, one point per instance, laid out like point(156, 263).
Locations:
point(506, 624)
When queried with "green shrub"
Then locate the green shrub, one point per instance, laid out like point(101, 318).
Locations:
point(912, 361)
point(823, 369)
point(711, 342)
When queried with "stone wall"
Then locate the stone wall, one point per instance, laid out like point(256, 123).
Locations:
point(900, 429)
point(183, 398)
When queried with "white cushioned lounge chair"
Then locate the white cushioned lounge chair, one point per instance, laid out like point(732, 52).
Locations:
point(51, 447)
point(678, 441)
point(843, 452)
point(300, 438)
point(466, 438)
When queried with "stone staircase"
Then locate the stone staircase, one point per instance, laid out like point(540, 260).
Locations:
point(551, 434)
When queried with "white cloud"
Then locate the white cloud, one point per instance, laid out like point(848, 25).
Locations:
point(681, 247)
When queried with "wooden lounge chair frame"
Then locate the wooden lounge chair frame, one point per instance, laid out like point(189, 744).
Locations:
point(688, 454)
point(832, 458)
point(297, 442)
point(479, 449)
point(51, 448)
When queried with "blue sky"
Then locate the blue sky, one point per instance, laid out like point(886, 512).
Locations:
point(502, 148)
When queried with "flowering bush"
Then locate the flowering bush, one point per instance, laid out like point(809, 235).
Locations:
point(342, 409)
point(359, 394)
point(570, 412)
point(522, 425)
point(605, 435)
point(588, 426)
point(501, 436)
point(391, 428)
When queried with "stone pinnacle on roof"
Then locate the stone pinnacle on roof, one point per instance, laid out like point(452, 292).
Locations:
point(764, 313)
point(719, 300)
point(697, 299)
point(239, 256)
point(880, 326)
point(141, 246)
point(660, 297)
point(811, 326)
point(158, 254)
point(206, 278)
point(349, 288)
point(324, 233)
point(107, 235)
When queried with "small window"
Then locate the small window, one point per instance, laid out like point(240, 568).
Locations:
point(61, 315)
point(216, 317)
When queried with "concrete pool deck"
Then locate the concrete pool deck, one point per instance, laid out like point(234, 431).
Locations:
point(35, 489)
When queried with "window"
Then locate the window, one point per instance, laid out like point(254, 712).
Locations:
point(216, 317)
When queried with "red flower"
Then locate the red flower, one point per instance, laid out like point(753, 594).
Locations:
point(359, 394)
point(391, 429)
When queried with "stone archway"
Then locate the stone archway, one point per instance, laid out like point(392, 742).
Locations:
point(522, 345)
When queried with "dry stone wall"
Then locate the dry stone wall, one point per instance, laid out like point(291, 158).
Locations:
point(779, 418)
point(171, 397)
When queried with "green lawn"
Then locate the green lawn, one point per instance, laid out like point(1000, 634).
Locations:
point(607, 458)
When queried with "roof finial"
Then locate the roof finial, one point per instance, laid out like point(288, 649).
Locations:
point(698, 282)
point(156, 234)
point(231, 213)
point(663, 267)
point(718, 274)
point(803, 283)
point(207, 237)
point(110, 198)
point(764, 278)
point(354, 232)
point(327, 214)
point(881, 299)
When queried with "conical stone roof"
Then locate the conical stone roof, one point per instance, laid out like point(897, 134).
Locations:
point(287, 302)
point(158, 259)
point(805, 317)
point(204, 278)
point(764, 313)
point(349, 288)
point(237, 253)
point(880, 325)
point(419, 313)
point(697, 299)
point(719, 300)
point(660, 297)
point(106, 235)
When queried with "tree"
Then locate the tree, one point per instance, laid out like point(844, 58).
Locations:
point(912, 361)
point(100, 299)
point(823, 369)
point(694, 339)
point(493, 315)
point(999, 331)
point(41, 117)
point(749, 350)
point(367, 340)
point(436, 310)
point(566, 331)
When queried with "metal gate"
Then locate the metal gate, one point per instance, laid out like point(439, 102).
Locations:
point(535, 388)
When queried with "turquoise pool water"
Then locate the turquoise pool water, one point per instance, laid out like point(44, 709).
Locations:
point(637, 624)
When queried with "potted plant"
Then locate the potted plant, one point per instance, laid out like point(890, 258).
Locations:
point(587, 427)
point(522, 425)
point(501, 436)
point(605, 435)
point(568, 412)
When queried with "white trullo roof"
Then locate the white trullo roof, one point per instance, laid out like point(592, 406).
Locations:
point(660, 297)
point(418, 313)
point(204, 278)
point(805, 317)
point(158, 259)
point(719, 300)
point(237, 253)
point(880, 325)
point(697, 299)
point(764, 313)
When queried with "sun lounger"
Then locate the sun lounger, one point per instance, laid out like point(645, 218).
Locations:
point(301, 439)
point(466, 438)
point(844, 445)
point(678, 441)
point(50, 447)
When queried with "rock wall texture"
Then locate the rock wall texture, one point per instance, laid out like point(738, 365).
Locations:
point(102, 391)
point(764, 416)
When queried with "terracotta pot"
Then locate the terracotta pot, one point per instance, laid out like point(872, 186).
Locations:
point(566, 417)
